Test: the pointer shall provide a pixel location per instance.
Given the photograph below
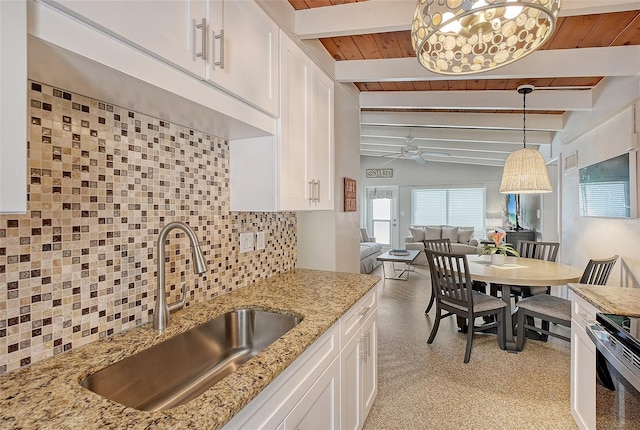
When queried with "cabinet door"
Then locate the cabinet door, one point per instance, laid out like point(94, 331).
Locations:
point(295, 179)
point(244, 52)
point(351, 357)
point(370, 363)
point(318, 408)
point(322, 148)
point(583, 378)
point(163, 29)
point(13, 107)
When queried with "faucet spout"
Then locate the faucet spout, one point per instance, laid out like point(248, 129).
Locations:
point(161, 313)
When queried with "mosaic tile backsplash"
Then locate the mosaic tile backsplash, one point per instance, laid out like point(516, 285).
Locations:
point(80, 265)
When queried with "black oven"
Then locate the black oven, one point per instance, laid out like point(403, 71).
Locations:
point(617, 341)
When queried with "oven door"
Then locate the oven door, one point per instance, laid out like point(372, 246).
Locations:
point(618, 385)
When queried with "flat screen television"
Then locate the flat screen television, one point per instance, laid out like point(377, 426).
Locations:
point(605, 188)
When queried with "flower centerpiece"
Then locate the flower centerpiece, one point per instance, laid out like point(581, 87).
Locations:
point(498, 250)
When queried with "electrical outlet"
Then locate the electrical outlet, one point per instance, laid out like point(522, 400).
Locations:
point(246, 242)
point(260, 242)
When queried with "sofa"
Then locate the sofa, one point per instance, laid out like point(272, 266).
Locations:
point(369, 252)
point(462, 240)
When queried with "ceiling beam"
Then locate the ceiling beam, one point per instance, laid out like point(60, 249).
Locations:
point(396, 163)
point(572, 100)
point(508, 121)
point(461, 135)
point(380, 16)
point(500, 150)
point(558, 63)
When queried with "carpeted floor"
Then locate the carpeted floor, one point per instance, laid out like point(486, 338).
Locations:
point(423, 386)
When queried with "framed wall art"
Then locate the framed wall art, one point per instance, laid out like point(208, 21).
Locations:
point(350, 197)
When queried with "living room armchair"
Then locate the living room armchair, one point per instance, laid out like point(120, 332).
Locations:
point(369, 252)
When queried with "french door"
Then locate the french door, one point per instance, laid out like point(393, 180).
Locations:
point(381, 219)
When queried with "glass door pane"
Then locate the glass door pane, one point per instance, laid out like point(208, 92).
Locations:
point(381, 219)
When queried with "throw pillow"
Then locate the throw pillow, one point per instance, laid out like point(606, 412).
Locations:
point(432, 232)
point(417, 234)
point(450, 233)
point(465, 234)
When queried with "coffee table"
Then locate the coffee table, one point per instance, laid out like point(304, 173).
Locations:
point(393, 259)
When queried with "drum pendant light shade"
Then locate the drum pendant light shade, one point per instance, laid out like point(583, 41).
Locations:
point(525, 171)
point(458, 37)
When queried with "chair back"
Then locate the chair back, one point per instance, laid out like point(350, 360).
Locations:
point(597, 271)
point(440, 245)
point(539, 250)
point(450, 278)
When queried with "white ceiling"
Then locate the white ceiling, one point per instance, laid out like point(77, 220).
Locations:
point(475, 137)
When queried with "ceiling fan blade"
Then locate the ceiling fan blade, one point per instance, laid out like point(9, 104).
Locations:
point(436, 154)
point(418, 159)
point(393, 159)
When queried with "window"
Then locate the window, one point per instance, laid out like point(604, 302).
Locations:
point(452, 206)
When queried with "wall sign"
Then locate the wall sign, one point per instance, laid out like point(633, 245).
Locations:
point(350, 195)
point(379, 173)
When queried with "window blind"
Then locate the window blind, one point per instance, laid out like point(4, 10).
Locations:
point(451, 206)
point(604, 199)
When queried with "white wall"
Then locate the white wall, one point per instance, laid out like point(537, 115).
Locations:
point(604, 132)
point(329, 240)
point(408, 174)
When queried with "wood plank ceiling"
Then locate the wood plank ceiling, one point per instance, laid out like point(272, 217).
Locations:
point(573, 32)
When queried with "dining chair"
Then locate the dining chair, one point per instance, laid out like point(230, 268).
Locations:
point(440, 245)
point(556, 309)
point(455, 296)
point(540, 251)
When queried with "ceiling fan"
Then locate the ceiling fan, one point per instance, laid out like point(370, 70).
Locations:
point(411, 152)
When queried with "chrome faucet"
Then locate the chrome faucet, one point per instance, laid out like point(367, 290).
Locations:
point(162, 310)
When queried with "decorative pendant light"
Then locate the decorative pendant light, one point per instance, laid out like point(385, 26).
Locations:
point(524, 170)
point(458, 37)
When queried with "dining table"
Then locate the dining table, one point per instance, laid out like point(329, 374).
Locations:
point(520, 272)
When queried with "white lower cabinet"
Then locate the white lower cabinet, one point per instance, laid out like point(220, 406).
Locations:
point(319, 408)
point(332, 385)
point(359, 362)
point(583, 364)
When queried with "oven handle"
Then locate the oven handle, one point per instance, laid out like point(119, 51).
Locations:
point(602, 340)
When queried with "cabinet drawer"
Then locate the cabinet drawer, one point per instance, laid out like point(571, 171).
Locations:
point(351, 322)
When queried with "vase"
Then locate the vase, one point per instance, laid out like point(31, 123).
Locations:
point(497, 259)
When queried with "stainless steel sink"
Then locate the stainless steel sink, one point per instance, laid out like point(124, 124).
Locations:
point(185, 366)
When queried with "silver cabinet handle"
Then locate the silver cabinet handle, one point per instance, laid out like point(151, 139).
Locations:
point(311, 193)
point(213, 49)
point(318, 191)
point(203, 27)
point(364, 311)
point(367, 342)
point(363, 352)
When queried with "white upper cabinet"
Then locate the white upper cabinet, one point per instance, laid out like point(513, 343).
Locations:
point(294, 170)
point(306, 132)
point(323, 146)
point(295, 127)
point(231, 44)
point(169, 30)
point(243, 43)
point(13, 107)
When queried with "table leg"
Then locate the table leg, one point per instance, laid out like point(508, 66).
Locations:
point(510, 344)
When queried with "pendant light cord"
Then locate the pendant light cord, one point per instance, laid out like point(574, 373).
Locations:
point(524, 118)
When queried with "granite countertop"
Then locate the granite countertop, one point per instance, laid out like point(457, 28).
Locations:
point(611, 300)
point(48, 394)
